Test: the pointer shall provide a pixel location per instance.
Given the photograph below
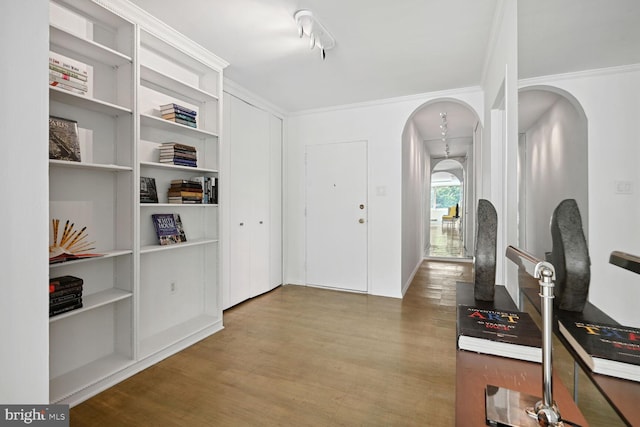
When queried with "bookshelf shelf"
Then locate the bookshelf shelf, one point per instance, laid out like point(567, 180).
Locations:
point(95, 13)
point(94, 301)
point(60, 37)
point(178, 168)
point(106, 254)
point(82, 102)
point(160, 248)
point(157, 79)
point(89, 166)
point(64, 386)
point(179, 205)
point(175, 334)
point(166, 125)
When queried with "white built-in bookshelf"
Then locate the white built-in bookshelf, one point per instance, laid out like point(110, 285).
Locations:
point(141, 301)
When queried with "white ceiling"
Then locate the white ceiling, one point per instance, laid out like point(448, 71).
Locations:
point(388, 49)
point(384, 48)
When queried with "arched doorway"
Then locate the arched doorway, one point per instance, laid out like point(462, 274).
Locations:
point(447, 204)
point(423, 148)
point(552, 162)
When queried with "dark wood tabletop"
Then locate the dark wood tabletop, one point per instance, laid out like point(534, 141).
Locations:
point(475, 371)
point(622, 395)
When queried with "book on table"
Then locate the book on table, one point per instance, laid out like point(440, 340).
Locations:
point(511, 334)
point(607, 349)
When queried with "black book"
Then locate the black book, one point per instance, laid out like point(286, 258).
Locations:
point(214, 191)
point(607, 349)
point(75, 296)
point(65, 306)
point(64, 282)
point(73, 290)
point(64, 143)
point(148, 192)
point(511, 334)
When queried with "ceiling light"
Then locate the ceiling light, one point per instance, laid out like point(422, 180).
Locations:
point(318, 35)
point(445, 129)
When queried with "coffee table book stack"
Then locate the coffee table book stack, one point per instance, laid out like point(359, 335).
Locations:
point(511, 334)
point(607, 349)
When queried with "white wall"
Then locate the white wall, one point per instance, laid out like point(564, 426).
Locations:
point(24, 190)
point(612, 106)
point(413, 171)
point(500, 136)
point(556, 169)
point(381, 124)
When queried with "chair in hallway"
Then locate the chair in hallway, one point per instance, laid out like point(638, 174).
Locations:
point(451, 218)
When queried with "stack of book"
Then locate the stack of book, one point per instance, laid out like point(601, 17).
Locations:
point(68, 74)
point(179, 114)
point(209, 189)
point(185, 191)
point(65, 294)
point(178, 154)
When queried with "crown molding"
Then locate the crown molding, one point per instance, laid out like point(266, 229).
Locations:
point(596, 72)
point(235, 89)
point(159, 29)
point(424, 97)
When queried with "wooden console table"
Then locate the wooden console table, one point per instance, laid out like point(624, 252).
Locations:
point(622, 395)
point(474, 371)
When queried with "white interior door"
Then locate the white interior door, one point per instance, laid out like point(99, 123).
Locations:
point(249, 201)
point(336, 215)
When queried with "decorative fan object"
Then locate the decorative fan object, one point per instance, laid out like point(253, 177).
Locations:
point(73, 243)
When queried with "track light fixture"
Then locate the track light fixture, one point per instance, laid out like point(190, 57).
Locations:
point(318, 35)
point(443, 130)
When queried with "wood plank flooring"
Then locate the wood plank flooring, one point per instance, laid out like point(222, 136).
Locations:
point(445, 241)
point(301, 356)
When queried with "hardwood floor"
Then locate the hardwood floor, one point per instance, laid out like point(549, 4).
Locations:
point(445, 241)
point(306, 357)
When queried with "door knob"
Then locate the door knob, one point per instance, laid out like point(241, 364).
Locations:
point(361, 220)
point(241, 224)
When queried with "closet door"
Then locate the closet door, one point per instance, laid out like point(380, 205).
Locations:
point(275, 208)
point(258, 216)
point(248, 201)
